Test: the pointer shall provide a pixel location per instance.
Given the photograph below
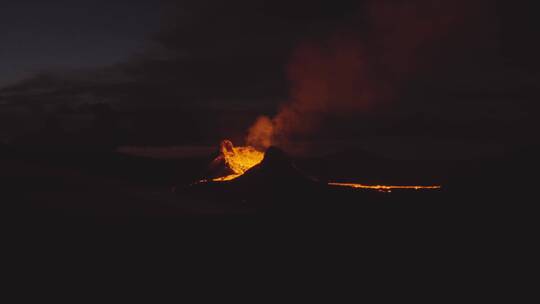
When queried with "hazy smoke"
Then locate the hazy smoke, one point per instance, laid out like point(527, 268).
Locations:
point(363, 65)
point(261, 134)
point(325, 77)
point(330, 75)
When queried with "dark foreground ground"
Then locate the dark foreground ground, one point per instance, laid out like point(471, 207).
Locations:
point(44, 185)
point(95, 213)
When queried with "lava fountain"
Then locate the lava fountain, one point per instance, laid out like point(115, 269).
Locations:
point(237, 159)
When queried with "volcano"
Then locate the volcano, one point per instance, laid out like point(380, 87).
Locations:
point(272, 183)
point(276, 171)
point(274, 168)
point(243, 179)
point(248, 170)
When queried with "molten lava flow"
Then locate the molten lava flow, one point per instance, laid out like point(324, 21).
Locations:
point(238, 159)
point(384, 188)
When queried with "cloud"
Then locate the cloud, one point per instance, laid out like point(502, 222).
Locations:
point(210, 50)
point(405, 57)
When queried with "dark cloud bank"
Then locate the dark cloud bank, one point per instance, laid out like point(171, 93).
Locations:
point(453, 70)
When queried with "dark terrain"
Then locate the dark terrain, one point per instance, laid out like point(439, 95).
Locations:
point(112, 211)
point(103, 184)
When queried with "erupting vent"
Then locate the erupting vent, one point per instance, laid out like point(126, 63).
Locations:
point(237, 159)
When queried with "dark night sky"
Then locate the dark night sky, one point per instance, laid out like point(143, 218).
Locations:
point(41, 35)
point(459, 62)
point(215, 37)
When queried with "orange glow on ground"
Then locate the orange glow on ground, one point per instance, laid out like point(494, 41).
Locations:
point(226, 178)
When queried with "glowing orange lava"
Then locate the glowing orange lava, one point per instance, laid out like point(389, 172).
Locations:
point(384, 188)
point(241, 159)
point(238, 159)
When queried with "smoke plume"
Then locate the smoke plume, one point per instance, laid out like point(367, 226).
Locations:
point(360, 66)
